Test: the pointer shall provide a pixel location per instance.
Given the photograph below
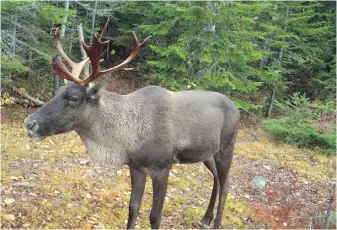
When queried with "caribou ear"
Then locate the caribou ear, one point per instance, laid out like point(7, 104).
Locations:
point(93, 92)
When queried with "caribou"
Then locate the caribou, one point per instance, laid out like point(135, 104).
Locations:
point(148, 130)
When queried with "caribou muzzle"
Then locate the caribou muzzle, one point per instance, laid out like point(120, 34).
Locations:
point(33, 129)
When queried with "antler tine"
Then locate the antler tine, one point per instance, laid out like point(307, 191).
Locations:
point(136, 49)
point(59, 47)
point(94, 52)
point(60, 68)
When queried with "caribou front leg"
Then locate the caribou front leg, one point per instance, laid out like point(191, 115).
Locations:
point(159, 185)
point(138, 179)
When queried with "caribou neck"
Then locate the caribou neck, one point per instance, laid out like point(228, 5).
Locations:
point(115, 128)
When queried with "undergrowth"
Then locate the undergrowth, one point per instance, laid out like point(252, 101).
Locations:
point(302, 134)
point(297, 128)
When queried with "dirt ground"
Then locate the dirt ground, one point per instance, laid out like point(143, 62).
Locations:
point(53, 184)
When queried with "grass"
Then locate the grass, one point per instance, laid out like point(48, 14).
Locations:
point(306, 162)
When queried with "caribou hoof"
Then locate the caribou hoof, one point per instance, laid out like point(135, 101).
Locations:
point(200, 225)
point(207, 220)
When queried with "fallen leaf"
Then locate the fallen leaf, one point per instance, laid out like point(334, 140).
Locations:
point(119, 172)
point(17, 178)
point(49, 218)
point(52, 159)
point(9, 217)
point(9, 201)
point(96, 216)
point(268, 167)
point(285, 224)
point(100, 226)
point(270, 192)
point(88, 195)
point(84, 161)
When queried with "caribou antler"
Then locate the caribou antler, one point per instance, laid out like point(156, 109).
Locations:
point(94, 52)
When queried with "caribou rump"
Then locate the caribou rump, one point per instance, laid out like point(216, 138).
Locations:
point(148, 130)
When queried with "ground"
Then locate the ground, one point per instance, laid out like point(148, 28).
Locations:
point(53, 184)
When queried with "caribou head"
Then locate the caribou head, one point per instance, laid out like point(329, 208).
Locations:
point(74, 102)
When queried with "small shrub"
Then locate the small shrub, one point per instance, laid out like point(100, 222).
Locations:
point(297, 127)
point(301, 134)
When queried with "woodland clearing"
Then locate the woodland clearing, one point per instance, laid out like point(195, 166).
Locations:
point(53, 184)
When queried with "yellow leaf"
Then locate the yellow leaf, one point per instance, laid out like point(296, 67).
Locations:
point(9, 217)
point(9, 201)
point(52, 159)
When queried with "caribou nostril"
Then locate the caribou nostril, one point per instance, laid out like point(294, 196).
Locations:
point(33, 126)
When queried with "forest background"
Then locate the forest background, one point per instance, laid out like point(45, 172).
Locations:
point(258, 53)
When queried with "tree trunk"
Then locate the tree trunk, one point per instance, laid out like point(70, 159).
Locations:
point(29, 58)
point(65, 19)
point(25, 95)
point(272, 99)
point(84, 55)
point(15, 20)
point(56, 84)
point(94, 15)
point(268, 40)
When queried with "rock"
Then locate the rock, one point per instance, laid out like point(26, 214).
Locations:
point(258, 182)
point(24, 184)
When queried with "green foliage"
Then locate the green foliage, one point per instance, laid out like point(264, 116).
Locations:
point(12, 64)
point(54, 14)
point(301, 134)
point(11, 5)
point(9, 66)
point(297, 108)
point(297, 127)
point(242, 49)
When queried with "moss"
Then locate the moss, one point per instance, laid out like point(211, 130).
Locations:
point(307, 162)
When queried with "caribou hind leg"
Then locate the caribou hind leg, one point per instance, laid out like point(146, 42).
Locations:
point(223, 160)
point(209, 214)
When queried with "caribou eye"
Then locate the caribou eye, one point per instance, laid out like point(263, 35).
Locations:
point(74, 99)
